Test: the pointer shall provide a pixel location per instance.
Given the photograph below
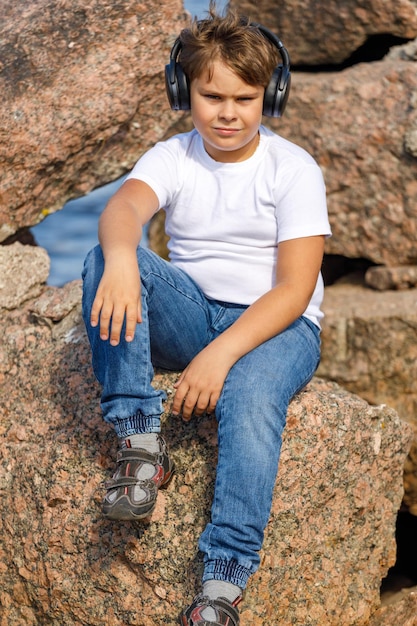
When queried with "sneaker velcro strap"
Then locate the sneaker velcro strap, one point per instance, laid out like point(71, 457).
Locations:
point(227, 608)
point(127, 481)
point(136, 454)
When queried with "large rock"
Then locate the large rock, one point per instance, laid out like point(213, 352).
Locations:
point(81, 96)
point(23, 270)
point(361, 126)
point(329, 542)
point(328, 31)
point(406, 52)
point(369, 346)
point(383, 278)
point(401, 613)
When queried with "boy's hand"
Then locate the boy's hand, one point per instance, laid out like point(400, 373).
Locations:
point(117, 299)
point(200, 384)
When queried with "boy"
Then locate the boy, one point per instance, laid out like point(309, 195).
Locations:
point(237, 308)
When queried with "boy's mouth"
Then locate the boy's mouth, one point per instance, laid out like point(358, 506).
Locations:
point(226, 131)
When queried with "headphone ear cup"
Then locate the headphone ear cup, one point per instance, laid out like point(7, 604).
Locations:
point(277, 92)
point(177, 88)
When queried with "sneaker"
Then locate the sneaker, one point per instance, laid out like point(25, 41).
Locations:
point(131, 493)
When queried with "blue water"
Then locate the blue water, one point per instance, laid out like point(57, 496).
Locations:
point(68, 234)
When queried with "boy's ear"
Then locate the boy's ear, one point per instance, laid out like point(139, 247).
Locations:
point(176, 81)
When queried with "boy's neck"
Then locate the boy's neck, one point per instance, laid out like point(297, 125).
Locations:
point(233, 156)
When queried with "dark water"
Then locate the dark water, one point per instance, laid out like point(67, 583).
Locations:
point(68, 234)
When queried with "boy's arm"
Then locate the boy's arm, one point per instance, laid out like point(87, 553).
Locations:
point(200, 385)
point(120, 232)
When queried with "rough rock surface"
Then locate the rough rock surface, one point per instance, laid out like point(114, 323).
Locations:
point(402, 613)
point(357, 124)
point(81, 94)
point(406, 52)
point(329, 542)
point(369, 346)
point(384, 278)
point(328, 31)
point(23, 269)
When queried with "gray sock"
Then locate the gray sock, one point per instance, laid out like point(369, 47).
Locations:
point(147, 441)
point(214, 589)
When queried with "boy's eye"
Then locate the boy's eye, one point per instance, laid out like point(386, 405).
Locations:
point(212, 96)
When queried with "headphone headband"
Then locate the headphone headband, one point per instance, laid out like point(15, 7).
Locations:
point(268, 34)
point(276, 92)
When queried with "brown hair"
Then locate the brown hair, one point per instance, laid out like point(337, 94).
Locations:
point(232, 39)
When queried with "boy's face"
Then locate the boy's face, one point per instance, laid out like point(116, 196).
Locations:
point(227, 113)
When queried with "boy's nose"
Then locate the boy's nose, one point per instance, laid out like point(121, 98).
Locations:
point(227, 111)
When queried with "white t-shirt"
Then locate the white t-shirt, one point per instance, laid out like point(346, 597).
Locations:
point(225, 220)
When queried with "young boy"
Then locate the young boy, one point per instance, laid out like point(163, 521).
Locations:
point(238, 307)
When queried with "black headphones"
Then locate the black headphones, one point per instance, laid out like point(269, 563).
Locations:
point(276, 92)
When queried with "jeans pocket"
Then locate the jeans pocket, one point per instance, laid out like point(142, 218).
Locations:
point(224, 315)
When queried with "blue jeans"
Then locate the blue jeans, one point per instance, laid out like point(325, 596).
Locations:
point(178, 322)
